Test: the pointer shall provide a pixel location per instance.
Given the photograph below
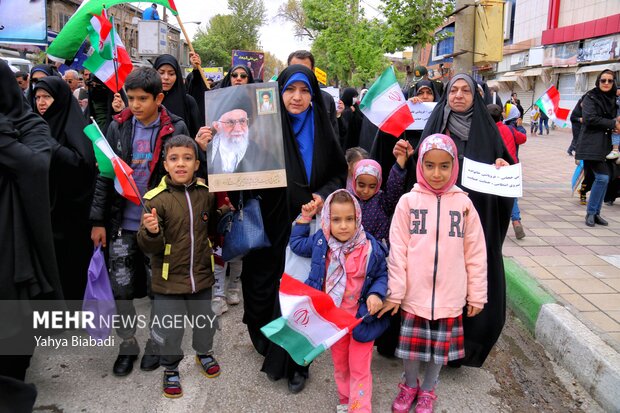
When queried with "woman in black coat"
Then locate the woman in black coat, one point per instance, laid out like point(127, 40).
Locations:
point(599, 120)
point(315, 167)
point(72, 182)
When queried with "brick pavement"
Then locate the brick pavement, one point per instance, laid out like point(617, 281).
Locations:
point(579, 265)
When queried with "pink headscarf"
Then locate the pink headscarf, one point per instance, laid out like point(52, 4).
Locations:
point(444, 143)
point(336, 276)
point(367, 167)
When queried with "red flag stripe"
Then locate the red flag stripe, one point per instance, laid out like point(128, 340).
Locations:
point(398, 122)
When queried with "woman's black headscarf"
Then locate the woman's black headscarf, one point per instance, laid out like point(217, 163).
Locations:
point(606, 99)
point(483, 143)
point(176, 100)
point(424, 83)
point(329, 166)
point(225, 82)
point(347, 96)
point(49, 70)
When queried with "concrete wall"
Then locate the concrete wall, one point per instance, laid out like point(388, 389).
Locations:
point(579, 11)
point(531, 19)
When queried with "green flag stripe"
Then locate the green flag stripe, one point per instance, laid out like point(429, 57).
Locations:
point(383, 83)
point(298, 347)
point(104, 163)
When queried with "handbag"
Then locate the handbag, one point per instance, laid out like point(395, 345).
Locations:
point(243, 229)
point(98, 297)
point(295, 265)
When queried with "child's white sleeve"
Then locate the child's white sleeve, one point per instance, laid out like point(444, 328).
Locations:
point(397, 260)
point(475, 259)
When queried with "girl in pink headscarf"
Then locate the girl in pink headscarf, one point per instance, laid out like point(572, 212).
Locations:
point(377, 205)
point(437, 265)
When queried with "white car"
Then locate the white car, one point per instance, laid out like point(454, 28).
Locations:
point(18, 64)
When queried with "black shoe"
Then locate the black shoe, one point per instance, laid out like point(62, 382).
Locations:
point(296, 383)
point(599, 220)
point(590, 220)
point(150, 358)
point(127, 355)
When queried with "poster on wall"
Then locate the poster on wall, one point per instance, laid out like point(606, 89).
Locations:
point(247, 149)
point(601, 49)
point(561, 55)
point(23, 22)
point(255, 61)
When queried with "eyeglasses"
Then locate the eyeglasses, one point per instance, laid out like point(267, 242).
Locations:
point(241, 75)
point(232, 122)
point(607, 81)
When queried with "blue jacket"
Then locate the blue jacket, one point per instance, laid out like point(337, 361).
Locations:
point(315, 247)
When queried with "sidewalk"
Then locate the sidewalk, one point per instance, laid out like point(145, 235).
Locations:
point(577, 318)
point(579, 265)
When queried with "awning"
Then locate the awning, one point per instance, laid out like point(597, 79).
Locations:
point(532, 72)
point(505, 78)
point(599, 68)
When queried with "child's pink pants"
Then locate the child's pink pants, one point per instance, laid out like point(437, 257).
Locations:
point(352, 373)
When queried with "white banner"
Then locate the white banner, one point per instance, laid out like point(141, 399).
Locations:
point(420, 112)
point(485, 178)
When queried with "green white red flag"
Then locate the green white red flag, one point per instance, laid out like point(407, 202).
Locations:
point(385, 105)
point(550, 104)
point(109, 61)
point(66, 45)
point(310, 323)
point(112, 166)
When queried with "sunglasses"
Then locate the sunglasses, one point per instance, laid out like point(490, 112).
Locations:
point(241, 75)
point(606, 81)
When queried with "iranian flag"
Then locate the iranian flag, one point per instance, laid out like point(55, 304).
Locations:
point(385, 105)
point(66, 45)
point(550, 104)
point(310, 323)
point(109, 61)
point(112, 166)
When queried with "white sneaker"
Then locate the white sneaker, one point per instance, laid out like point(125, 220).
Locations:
point(342, 408)
point(613, 155)
point(233, 297)
point(219, 306)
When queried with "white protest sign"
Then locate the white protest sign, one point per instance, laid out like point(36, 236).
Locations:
point(481, 177)
point(334, 91)
point(420, 112)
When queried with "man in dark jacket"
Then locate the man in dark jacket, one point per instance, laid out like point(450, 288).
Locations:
point(137, 135)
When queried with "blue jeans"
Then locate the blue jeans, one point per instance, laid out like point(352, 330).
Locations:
point(615, 139)
point(545, 123)
point(597, 193)
point(516, 214)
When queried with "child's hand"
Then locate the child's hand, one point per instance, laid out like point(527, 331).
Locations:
point(117, 103)
point(150, 222)
point(387, 307)
point(499, 162)
point(473, 311)
point(402, 151)
point(228, 204)
point(374, 304)
point(308, 211)
point(319, 202)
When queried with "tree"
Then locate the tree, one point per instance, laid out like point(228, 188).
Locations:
point(293, 12)
point(227, 32)
point(413, 22)
point(347, 46)
point(273, 65)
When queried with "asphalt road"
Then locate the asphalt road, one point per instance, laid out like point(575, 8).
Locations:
point(518, 377)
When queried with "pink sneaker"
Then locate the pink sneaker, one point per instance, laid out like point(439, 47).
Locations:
point(404, 400)
point(425, 402)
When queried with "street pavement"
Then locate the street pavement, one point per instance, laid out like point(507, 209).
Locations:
point(578, 265)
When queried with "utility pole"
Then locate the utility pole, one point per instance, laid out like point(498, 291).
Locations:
point(464, 36)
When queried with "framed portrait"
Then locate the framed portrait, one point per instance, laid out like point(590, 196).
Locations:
point(247, 149)
point(265, 101)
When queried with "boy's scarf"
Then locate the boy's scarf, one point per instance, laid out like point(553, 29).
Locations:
point(336, 277)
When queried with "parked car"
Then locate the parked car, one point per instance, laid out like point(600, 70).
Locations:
point(18, 64)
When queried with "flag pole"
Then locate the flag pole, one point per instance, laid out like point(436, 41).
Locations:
point(114, 54)
point(191, 48)
point(131, 182)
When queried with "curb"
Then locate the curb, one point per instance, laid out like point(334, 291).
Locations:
point(571, 343)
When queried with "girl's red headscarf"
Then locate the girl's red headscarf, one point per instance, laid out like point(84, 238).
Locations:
point(444, 143)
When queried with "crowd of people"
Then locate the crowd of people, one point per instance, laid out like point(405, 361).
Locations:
point(387, 207)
